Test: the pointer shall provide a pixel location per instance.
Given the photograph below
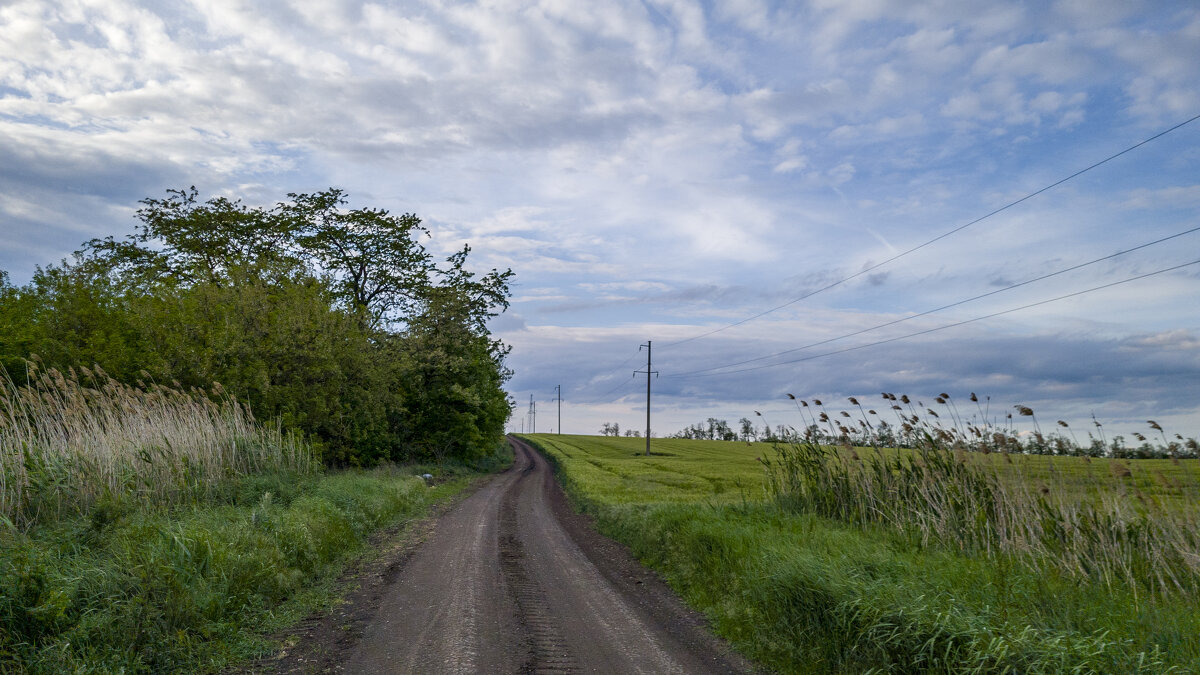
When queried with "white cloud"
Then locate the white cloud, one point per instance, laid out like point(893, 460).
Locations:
point(791, 164)
point(1053, 62)
point(1180, 196)
point(750, 15)
point(882, 129)
point(633, 160)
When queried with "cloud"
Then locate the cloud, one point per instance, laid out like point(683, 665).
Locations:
point(791, 164)
point(1054, 373)
point(1181, 196)
point(655, 170)
point(883, 129)
point(1051, 62)
point(750, 15)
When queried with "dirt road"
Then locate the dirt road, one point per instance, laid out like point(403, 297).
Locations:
point(512, 581)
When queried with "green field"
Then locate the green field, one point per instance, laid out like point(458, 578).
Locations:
point(617, 470)
point(679, 470)
point(802, 591)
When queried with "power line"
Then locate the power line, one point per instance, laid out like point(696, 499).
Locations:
point(932, 311)
point(619, 367)
point(622, 383)
point(952, 325)
point(626, 361)
point(939, 237)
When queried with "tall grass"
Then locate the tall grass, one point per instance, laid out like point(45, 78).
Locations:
point(70, 441)
point(914, 420)
point(960, 501)
point(194, 589)
point(803, 592)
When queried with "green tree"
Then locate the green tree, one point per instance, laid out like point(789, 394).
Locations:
point(377, 264)
point(184, 241)
point(452, 380)
point(67, 316)
point(274, 339)
point(337, 321)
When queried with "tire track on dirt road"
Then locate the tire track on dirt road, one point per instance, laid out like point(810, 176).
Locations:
point(512, 581)
point(547, 650)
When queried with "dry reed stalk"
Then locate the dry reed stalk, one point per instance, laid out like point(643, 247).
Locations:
point(942, 496)
point(68, 441)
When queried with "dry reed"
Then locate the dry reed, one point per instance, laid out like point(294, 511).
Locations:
point(940, 495)
point(69, 441)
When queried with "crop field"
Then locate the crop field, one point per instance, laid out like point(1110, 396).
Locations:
point(680, 470)
point(815, 559)
point(617, 469)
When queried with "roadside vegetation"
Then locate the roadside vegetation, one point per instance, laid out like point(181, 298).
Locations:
point(337, 322)
point(202, 424)
point(813, 557)
point(79, 444)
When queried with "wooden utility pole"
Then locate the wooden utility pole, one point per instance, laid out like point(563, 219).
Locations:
point(558, 397)
point(648, 373)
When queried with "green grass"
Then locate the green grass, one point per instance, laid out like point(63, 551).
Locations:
point(681, 470)
point(194, 588)
point(153, 530)
point(1173, 482)
point(808, 594)
point(617, 469)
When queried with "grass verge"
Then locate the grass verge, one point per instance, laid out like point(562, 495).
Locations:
point(193, 588)
point(150, 529)
point(802, 593)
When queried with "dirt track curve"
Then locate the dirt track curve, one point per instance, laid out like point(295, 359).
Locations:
point(512, 581)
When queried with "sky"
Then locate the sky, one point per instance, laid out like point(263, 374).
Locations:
point(664, 170)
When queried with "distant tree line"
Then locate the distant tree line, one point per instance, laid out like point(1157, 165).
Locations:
point(714, 429)
point(614, 429)
point(336, 321)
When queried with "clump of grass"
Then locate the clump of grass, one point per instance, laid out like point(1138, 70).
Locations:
point(943, 496)
point(70, 441)
point(192, 590)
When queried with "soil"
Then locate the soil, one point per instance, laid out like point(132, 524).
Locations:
point(508, 579)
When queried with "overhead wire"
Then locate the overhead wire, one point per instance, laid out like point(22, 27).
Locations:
point(623, 382)
point(960, 228)
point(940, 328)
point(938, 309)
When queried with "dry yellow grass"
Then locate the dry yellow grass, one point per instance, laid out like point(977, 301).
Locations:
point(69, 440)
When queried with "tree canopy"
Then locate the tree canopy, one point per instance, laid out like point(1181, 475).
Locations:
point(337, 321)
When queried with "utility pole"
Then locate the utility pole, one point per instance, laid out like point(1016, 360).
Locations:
point(558, 397)
point(648, 373)
point(532, 415)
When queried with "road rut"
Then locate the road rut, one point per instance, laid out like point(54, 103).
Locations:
point(512, 581)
